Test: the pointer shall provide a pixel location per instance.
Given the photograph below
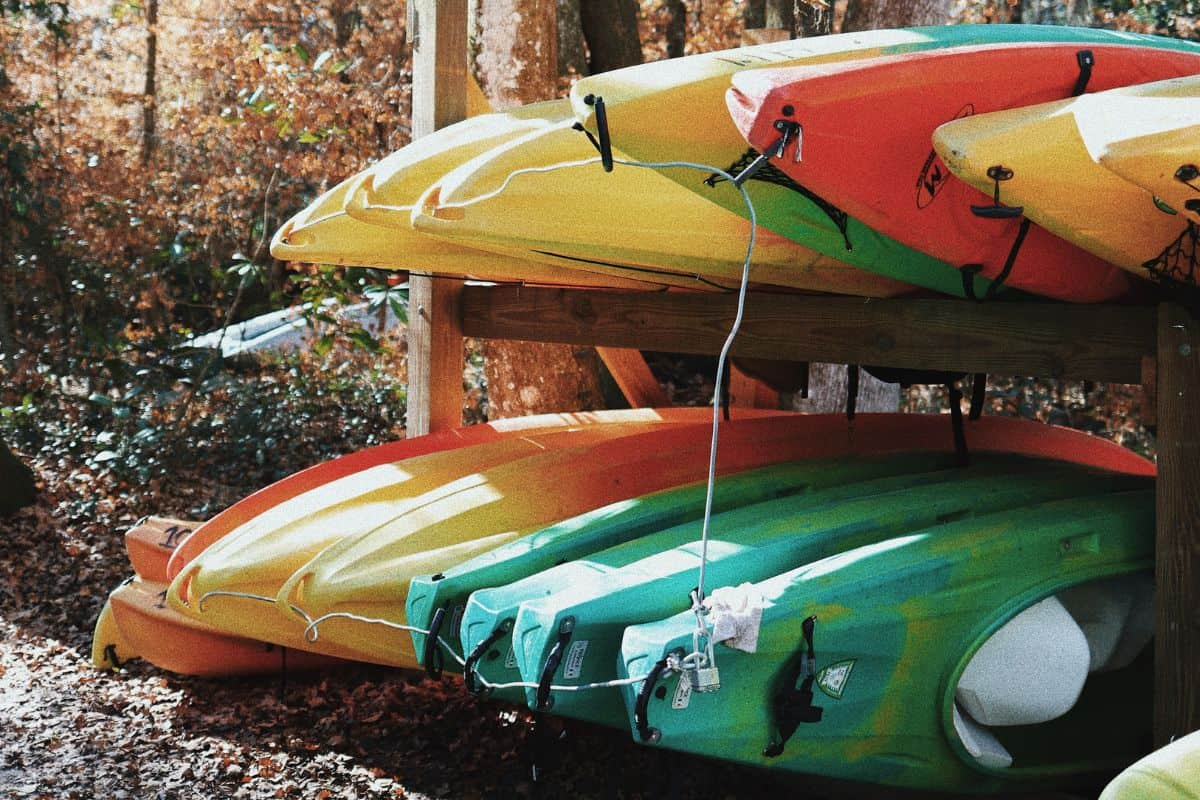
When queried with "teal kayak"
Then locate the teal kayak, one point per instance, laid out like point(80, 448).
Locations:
point(970, 657)
point(487, 619)
point(437, 601)
point(647, 579)
point(671, 111)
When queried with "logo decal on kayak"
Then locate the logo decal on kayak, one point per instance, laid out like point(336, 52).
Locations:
point(683, 694)
point(833, 679)
point(934, 174)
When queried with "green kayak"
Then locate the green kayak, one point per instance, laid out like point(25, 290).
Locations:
point(440, 599)
point(644, 580)
point(490, 612)
point(674, 110)
point(1005, 651)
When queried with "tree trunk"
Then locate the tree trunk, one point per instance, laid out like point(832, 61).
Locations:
point(676, 27)
point(865, 15)
point(611, 30)
point(19, 487)
point(827, 391)
point(754, 14)
point(1079, 12)
point(780, 14)
point(517, 67)
point(149, 92)
point(813, 18)
point(572, 50)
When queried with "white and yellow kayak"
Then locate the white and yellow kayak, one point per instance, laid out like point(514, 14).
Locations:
point(1051, 151)
point(541, 197)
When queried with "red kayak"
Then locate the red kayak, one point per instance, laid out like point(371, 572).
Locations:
point(859, 136)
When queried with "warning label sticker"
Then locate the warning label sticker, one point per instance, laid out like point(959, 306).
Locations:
point(573, 663)
point(833, 679)
point(683, 694)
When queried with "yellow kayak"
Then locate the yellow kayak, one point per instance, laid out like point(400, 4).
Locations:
point(1051, 151)
point(535, 197)
point(1170, 773)
point(323, 233)
point(233, 583)
point(1160, 151)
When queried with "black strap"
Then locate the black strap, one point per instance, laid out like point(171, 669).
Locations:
point(1086, 60)
point(432, 656)
point(851, 391)
point(641, 719)
point(969, 271)
point(956, 420)
point(792, 704)
point(978, 395)
point(605, 143)
point(565, 629)
point(476, 654)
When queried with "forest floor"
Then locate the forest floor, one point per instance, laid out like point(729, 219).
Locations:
point(70, 731)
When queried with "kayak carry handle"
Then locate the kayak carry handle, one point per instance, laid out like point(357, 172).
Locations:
point(544, 701)
point(793, 704)
point(477, 653)
point(432, 657)
point(641, 708)
point(605, 143)
point(998, 173)
point(1086, 60)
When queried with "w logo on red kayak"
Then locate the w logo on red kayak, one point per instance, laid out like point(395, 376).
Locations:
point(934, 174)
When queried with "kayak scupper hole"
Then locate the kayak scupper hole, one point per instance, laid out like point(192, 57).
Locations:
point(788, 111)
point(660, 692)
point(493, 655)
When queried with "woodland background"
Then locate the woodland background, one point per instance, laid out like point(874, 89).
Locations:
point(148, 151)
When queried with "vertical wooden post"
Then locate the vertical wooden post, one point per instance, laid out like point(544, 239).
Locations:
point(1177, 570)
point(435, 354)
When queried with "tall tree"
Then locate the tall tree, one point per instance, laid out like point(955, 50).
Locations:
point(516, 67)
point(865, 15)
point(149, 90)
point(611, 30)
point(572, 49)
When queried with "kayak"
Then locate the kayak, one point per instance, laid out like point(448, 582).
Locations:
point(572, 636)
point(675, 110)
point(368, 574)
point(537, 197)
point(865, 144)
point(1158, 149)
point(1169, 773)
point(255, 505)
point(137, 623)
point(383, 197)
point(439, 599)
point(942, 659)
point(233, 583)
point(1050, 150)
point(324, 233)
point(150, 543)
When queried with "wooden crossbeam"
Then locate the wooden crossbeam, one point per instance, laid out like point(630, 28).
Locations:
point(1101, 343)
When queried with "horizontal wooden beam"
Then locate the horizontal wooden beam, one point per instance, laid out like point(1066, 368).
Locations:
point(1100, 343)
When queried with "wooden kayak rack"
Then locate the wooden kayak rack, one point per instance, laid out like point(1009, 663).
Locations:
point(1157, 347)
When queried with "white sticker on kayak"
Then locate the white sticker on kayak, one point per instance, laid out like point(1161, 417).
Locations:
point(573, 665)
point(833, 678)
point(510, 660)
point(683, 694)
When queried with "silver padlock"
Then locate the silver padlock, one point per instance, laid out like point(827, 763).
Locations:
point(705, 679)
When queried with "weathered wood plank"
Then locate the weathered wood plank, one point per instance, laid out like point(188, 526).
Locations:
point(628, 368)
point(1102, 343)
point(1177, 571)
point(435, 353)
